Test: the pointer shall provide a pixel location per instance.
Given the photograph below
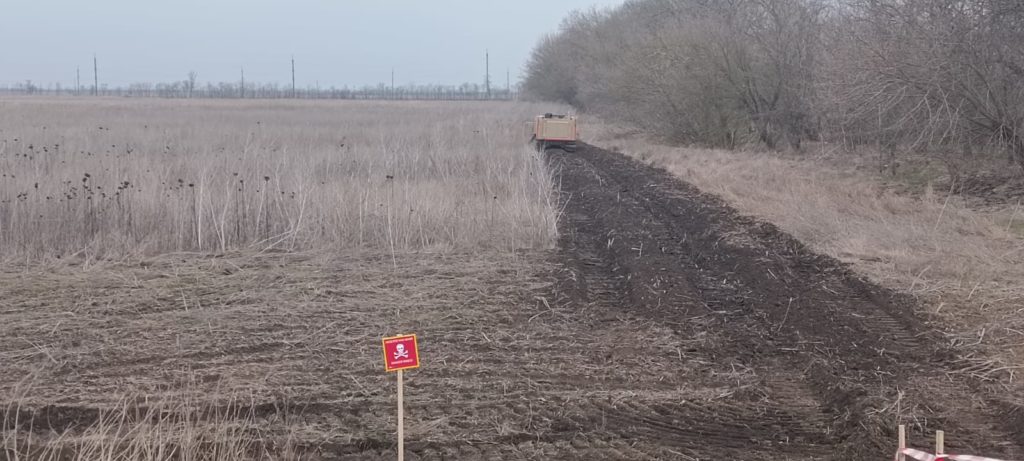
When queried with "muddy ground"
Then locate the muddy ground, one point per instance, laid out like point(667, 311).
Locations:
point(665, 326)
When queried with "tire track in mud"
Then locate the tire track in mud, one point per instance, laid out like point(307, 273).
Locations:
point(808, 360)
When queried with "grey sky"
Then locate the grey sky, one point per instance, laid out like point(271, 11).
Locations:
point(335, 42)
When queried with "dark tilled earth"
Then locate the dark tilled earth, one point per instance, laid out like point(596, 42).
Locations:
point(789, 355)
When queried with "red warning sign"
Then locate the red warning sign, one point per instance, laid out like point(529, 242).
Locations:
point(401, 353)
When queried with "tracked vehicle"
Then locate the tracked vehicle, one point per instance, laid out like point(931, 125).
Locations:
point(555, 131)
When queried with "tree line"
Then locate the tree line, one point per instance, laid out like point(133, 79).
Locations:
point(192, 88)
point(938, 76)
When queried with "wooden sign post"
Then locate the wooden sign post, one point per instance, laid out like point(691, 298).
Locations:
point(401, 420)
point(401, 353)
point(903, 443)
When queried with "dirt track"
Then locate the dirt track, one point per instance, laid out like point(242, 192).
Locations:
point(785, 353)
point(664, 327)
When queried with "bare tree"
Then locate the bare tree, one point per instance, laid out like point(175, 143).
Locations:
point(932, 76)
point(698, 71)
point(191, 83)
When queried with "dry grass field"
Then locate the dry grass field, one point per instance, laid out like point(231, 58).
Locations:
point(123, 178)
point(177, 273)
point(961, 261)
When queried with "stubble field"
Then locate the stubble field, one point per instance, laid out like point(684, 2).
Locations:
point(179, 275)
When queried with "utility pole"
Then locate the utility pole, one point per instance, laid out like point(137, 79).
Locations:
point(242, 87)
point(293, 77)
point(487, 75)
point(95, 77)
point(78, 80)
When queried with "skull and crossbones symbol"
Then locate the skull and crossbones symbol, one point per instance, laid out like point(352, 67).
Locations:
point(400, 352)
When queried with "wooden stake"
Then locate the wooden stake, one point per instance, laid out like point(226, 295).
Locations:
point(940, 442)
point(903, 443)
point(401, 417)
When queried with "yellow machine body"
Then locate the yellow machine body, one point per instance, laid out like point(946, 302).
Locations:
point(560, 131)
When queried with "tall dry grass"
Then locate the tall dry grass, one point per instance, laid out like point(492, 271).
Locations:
point(119, 178)
point(184, 426)
point(963, 263)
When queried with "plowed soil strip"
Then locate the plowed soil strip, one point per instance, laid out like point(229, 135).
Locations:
point(786, 352)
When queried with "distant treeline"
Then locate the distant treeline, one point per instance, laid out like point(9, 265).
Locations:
point(938, 76)
point(252, 90)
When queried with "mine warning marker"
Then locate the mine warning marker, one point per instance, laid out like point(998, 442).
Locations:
point(401, 353)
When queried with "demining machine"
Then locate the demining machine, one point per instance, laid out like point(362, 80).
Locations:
point(555, 131)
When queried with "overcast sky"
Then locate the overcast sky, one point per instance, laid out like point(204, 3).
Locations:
point(335, 42)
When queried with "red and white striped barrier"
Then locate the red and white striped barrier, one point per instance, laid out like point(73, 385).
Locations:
point(916, 454)
point(923, 456)
point(967, 458)
point(902, 453)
